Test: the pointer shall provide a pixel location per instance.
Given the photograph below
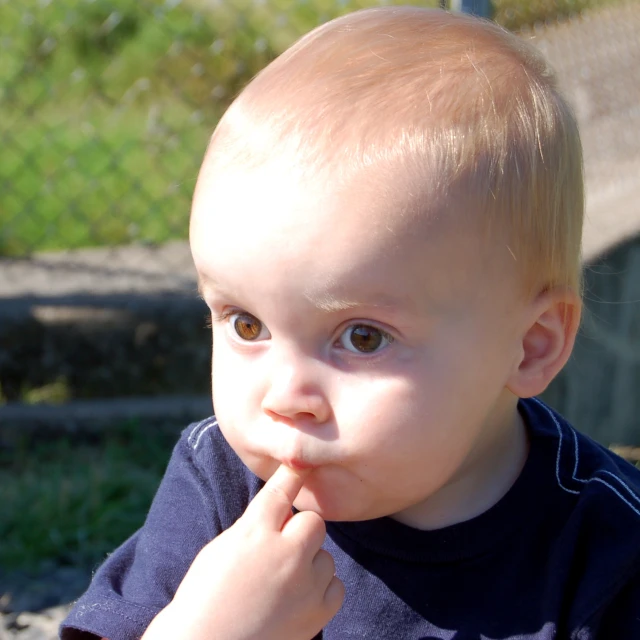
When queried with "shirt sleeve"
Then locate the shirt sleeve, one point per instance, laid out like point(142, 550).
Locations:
point(205, 489)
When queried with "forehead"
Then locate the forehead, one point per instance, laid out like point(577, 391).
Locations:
point(277, 202)
point(283, 197)
point(284, 224)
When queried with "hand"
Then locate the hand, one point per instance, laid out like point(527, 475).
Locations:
point(265, 577)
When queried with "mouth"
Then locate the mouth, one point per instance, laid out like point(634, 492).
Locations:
point(298, 464)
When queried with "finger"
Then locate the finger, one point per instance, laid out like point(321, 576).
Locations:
point(307, 530)
point(324, 568)
point(334, 596)
point(272, 506)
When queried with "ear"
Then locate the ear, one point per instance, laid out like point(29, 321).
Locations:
point(547, 340)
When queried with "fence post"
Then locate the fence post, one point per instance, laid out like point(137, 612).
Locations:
point(480, 8)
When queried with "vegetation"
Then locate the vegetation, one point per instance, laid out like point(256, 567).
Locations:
point(516, 14)
point(73, 500)
point(106, 106)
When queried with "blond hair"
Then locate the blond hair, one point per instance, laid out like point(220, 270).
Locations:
point(460, 102)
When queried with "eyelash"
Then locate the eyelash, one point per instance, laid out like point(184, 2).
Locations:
point(227, 313)
point(211, 319)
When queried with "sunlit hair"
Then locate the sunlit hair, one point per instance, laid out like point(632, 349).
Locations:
point(459, 104)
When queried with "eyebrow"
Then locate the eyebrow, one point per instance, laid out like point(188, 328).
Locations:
point(331, 304)
point(205, 283)
point(328, 302)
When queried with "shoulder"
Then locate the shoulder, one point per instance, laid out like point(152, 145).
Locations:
point(203, 453)
point(595, 496)
point(196, 433)
point(582, 467)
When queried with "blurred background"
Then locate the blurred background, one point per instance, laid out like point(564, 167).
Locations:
point(106, 108)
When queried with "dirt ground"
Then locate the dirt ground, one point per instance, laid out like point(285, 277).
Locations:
point(42, 625)
point(32, 606)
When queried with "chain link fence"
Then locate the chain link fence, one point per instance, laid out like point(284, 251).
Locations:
point(106, 107)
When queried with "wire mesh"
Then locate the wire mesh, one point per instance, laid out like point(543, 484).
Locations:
point(106, 105)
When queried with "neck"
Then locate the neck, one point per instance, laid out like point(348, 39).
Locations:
point(484, 477)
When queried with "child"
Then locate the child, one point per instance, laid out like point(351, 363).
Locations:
point(386, 229)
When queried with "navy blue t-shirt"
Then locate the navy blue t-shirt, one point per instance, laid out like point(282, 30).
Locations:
point(557, 557)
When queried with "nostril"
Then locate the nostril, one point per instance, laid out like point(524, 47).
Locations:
point(290, 419)
point(278, 417)
point(295, 402)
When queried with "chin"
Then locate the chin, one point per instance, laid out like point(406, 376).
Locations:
point(330, 513)
point(329, 505)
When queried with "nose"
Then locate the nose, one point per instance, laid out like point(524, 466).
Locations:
point(295, 391)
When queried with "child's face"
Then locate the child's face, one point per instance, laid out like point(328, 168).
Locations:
point(355, 337)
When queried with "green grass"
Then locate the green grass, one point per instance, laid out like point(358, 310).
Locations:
point(71, 500)
point(116, 184)
point(106, 106)
point(516, 14)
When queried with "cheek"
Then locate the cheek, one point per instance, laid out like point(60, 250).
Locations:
point(379, 417)
point(230, 369)
point(232, 408)
point(230, 384)
point(427, 403)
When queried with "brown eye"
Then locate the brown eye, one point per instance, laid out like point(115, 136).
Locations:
point(362, 338)
point(246, 326)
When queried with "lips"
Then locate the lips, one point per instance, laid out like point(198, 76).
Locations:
point(295, 456)
point(298, 464)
